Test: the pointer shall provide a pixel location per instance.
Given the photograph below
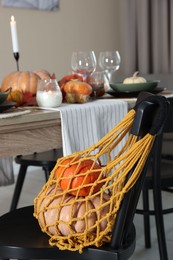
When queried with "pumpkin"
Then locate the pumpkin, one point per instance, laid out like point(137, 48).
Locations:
point(77, 87)
point(16, 96)
point(24, 81)
point(59, 213)
point(79, 179)
point(43, 74)
point(134, 79)
point(77, 91)
point(64, 80)
point(67, 78)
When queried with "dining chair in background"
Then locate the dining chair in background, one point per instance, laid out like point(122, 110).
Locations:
point(46, 160)
point(159, 178)
point(22, 238)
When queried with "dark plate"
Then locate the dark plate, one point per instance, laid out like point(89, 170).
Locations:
point(131, 94)
point(3, 96)
point(6, 105)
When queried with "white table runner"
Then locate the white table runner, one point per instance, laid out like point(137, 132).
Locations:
point(85, 124)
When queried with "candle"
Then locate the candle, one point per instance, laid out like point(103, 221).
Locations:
point(48, 93)
point(48, 98)
point(14, 35)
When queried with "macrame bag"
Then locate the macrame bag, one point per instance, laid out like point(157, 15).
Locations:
point(77, 207)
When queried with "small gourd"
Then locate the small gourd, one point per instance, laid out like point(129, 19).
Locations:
point(15, 96)
point(134, 79)
point(77, 91)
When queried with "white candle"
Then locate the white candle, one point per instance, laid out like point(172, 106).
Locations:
point(49, 98)
point(14, 35)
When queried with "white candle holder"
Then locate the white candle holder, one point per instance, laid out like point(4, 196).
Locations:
point(48, 94)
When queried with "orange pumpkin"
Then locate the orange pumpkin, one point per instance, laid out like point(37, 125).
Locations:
point(16, 96)
point(24, 81)
point(79, 179)
point(77, 91)
point(78, 87)
point(64, 80)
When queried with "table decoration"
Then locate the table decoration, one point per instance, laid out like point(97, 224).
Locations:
point(65, 79)
point(23, 81)
point(133, 94)
point(109, 62)
point(96, 80)
point(134, 79)
point(84, 124)
point(48, 93)
point(14, 40)
point(83, 63)
point(77, 91)
point(134, 87)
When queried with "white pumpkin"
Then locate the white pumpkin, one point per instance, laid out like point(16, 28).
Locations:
point(134, 79)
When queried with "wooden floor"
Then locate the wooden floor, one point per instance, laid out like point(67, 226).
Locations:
point(33, 184)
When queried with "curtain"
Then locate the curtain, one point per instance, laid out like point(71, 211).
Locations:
point(146, 35)
point(6, 171)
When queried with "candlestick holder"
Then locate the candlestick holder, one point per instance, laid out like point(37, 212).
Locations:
point(16, 56)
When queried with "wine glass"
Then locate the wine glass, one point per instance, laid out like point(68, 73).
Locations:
point(96, 80)
point(83, 63)
point(109, 61)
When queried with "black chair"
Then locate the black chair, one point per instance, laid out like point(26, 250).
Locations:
point(46, 160)
point(21, 237)
point(159, 178)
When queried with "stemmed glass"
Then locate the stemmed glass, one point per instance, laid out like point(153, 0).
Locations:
point(83, 63)
point(109, 61)
point(96, 80)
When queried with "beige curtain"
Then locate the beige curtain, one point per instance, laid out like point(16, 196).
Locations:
point(146, 35)
point(6, 171)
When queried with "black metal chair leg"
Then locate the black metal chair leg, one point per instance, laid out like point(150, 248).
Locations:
point(158, 201)
point(147, 233)
point(47, 172)
point(18, 188)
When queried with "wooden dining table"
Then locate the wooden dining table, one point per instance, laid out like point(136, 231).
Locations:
point(39, 130)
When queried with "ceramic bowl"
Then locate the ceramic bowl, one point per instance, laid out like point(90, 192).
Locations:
point(134, 87)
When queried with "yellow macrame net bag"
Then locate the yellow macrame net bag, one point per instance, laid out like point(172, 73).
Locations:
point(77, 208)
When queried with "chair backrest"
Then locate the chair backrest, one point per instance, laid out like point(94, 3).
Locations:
point(151, 115)
point(116, 189)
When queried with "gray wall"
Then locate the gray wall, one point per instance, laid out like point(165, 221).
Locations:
point(47, 39)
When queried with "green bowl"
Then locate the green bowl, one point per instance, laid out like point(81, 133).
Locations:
point(134, 87)
point(3, 96)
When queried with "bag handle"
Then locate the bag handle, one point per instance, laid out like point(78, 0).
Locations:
point(151, 111)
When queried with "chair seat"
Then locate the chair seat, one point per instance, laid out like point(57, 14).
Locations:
point(41, 158)
point(22, 238)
